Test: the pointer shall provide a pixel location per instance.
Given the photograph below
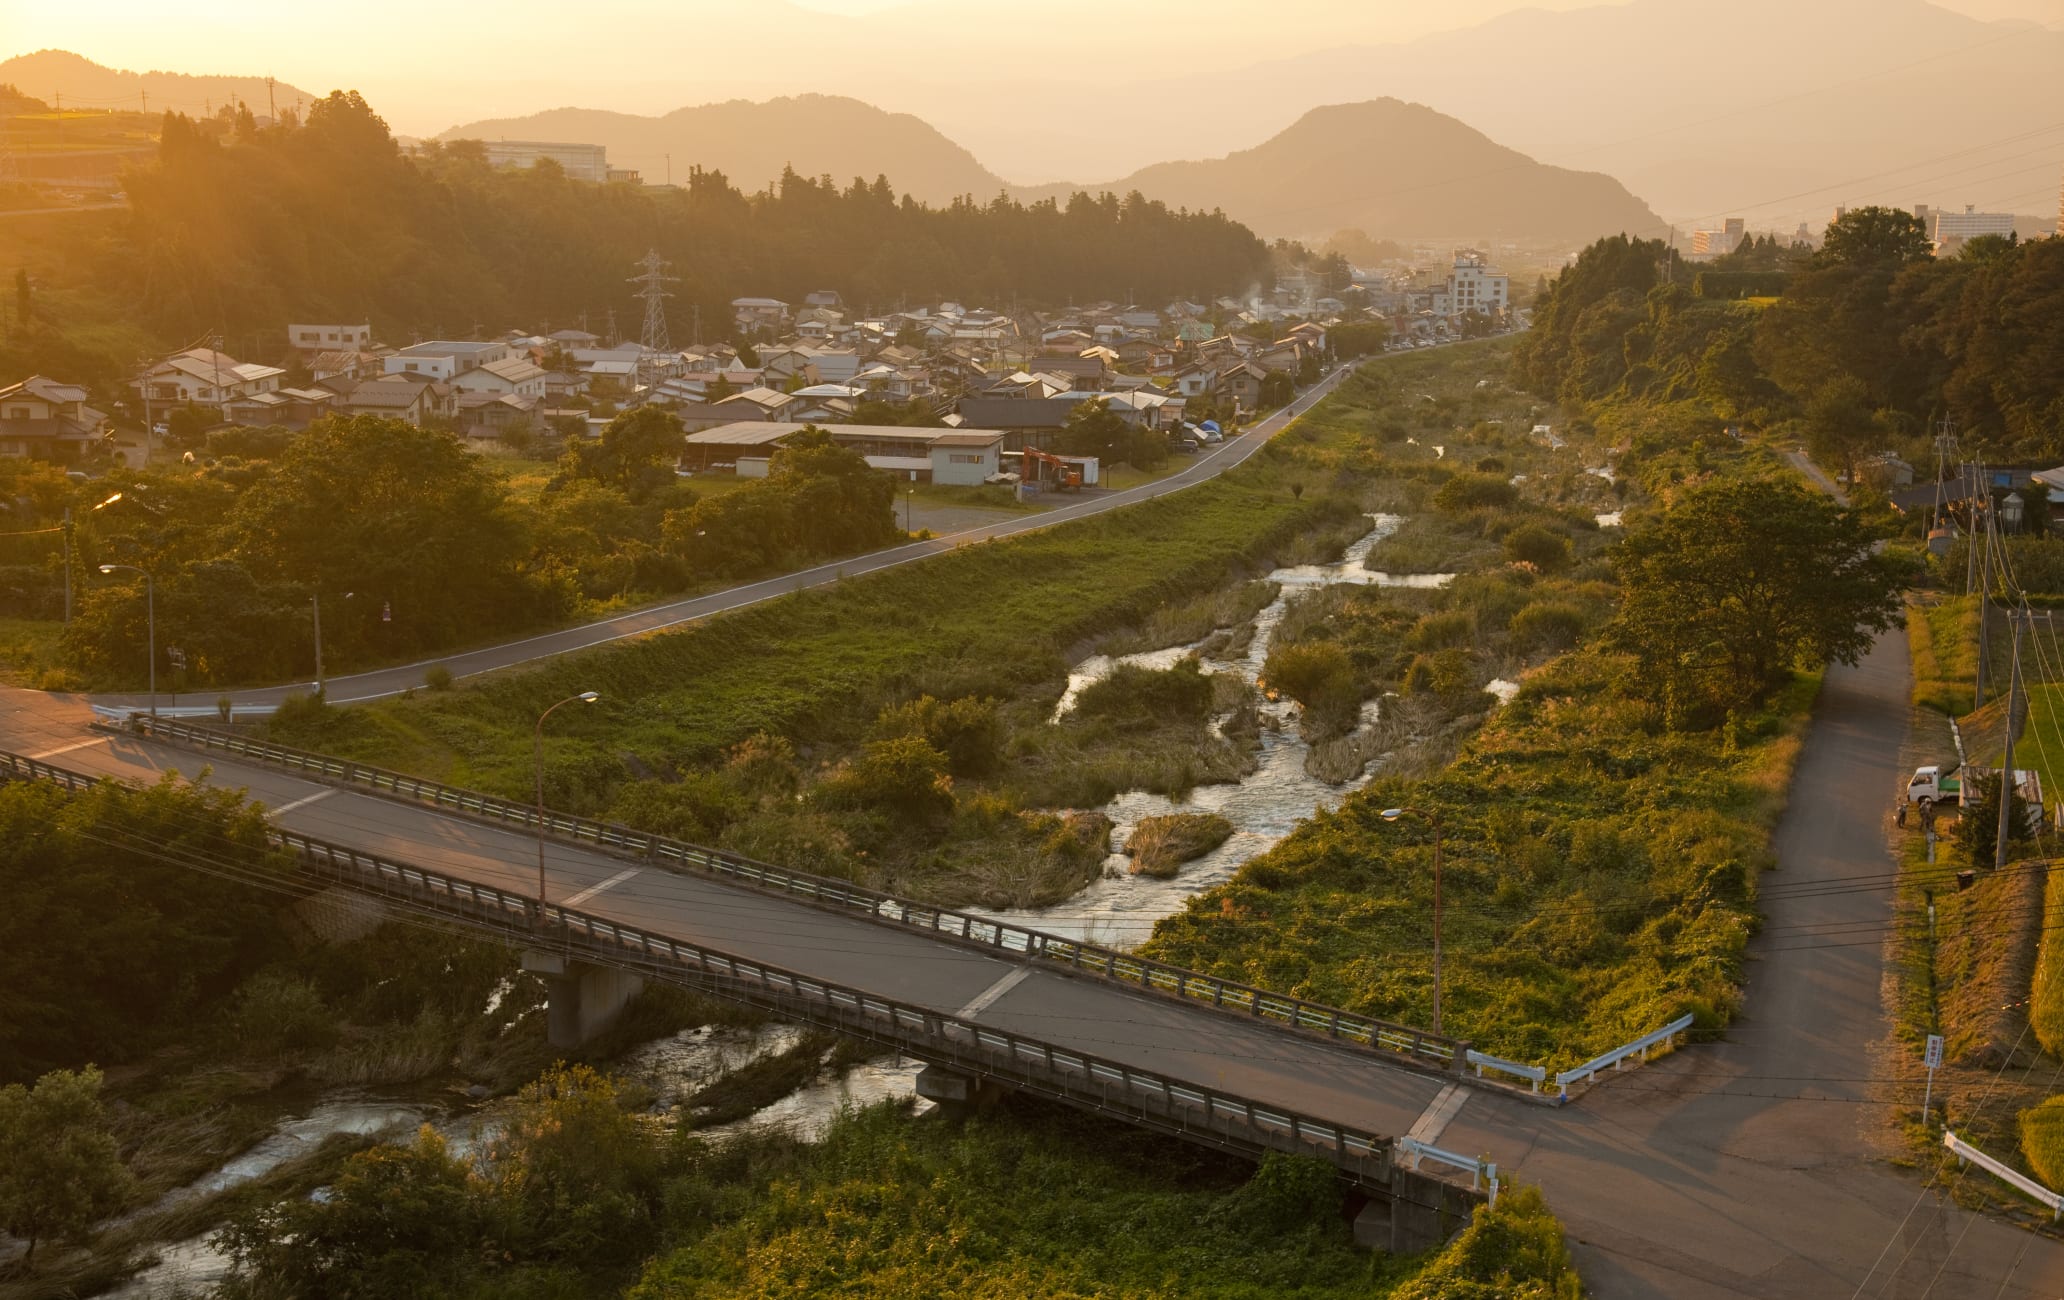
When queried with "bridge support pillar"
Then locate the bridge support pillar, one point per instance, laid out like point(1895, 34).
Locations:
point(953, 1092)
point(581, 1000)
point(1422, 1212)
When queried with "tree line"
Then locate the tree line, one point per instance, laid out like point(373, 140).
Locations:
point(1867, 341)
point(410, 543)
point(238, 227)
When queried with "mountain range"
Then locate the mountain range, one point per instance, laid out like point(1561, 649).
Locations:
point(60, 76)
point(1384, 166)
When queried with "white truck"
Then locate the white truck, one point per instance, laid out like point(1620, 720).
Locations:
point(1933, 784)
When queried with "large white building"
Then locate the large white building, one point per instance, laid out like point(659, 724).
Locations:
point(1475, 285)
point(330, 338)
point(205, 377)
point(582, 162)
point(1953, 228)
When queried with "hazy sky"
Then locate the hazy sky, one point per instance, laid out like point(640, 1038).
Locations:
point(428, 68)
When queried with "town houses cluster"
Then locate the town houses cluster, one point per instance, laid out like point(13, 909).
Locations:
point(1017, 373)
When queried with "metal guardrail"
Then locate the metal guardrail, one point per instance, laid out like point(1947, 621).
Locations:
point(1963, 1150)
point(1482, 1061)
point(1483, 1174)
point(840, 895)
point(1618, 1056)
point(1161, 1101)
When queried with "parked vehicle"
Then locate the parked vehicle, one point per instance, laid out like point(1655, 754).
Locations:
point(1932, 785)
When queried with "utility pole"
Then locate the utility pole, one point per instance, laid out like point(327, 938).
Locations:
point(271, 101)
point(2016, 704)
point(68, 563)
point(1984, 611)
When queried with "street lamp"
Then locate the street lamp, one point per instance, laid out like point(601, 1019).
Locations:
point(1434, 817)
point(538, 753)
point(315, 602)
point(150, 611)
point(909, 495)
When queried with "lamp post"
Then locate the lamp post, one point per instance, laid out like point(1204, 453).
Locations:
point(909, 495)
point(538, 753)
point(1434, 818)
point(150, 611)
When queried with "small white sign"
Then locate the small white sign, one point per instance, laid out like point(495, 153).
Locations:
point(1934, 1058)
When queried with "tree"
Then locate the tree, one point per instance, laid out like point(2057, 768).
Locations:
point(578, 1169)
point(635, 454)
point(1277, 390)
point(1875, 237)
point(59, 1170)
point(1094, 429)
point(1740, 582)
point(1840, 426)
point(1547, 549)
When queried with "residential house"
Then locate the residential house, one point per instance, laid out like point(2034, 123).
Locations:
point(1198, 380)
point(43, 419)
point(395, 397)
point(288, 408)
point(940, 454)
point(489, 414)
point(342, 364)
point(770, 404)
point(1144, 353)
point(571, 339)
point(1086, 372)
point(512, 376)
point(204, 377)
point(755, 314)
point(330, 338)
point(1023, 421)
point(444, 359)
point(1241, 384)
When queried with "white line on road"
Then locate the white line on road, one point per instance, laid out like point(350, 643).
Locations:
point(592, 890)
point(286, 808)
point(988, 996)
point(1442, 1109)
point(77, 744)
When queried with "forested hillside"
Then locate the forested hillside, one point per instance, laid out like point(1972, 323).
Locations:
point(237, 228)
point(1867, 342)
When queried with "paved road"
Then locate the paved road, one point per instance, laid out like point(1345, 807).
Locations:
point(1091, 1016)
point(384, 682)
point(1678, 1181)
point(1685, 1179)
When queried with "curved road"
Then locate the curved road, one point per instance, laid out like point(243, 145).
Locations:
point(383, 682)
point(1740, 1170)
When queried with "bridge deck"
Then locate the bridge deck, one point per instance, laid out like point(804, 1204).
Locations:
point(1185, 1042)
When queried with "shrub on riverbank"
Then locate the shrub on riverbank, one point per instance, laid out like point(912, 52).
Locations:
point(1158, 846)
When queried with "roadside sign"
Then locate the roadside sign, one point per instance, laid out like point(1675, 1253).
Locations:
point(386, 611)
point(1934, 1063)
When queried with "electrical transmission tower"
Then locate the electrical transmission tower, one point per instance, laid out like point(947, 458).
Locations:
point(652, 291)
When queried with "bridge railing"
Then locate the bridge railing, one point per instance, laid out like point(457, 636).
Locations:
point(1618, 1056)
point(2014, 1178)
point(844, 896)
point(1182, 1105)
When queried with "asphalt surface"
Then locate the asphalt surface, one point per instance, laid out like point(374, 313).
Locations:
point(380, 683)
point(1744, 1168)
point(1186, 1042)
point(1727, 1171)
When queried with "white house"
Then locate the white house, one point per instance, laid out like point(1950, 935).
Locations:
point(45, 419)
point(205, 377)
point(511, 376)
point(444, 359)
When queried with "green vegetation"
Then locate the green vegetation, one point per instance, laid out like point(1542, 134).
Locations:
point(1942, 637)
point(2042, 1141)
point(414, 545)
point(59, 1173)
point(1158, 846)
point(531, 245)
point(584, 1197)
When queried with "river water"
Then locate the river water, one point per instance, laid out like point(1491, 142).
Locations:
point(1120, 908)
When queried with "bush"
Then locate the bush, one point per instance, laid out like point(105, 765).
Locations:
point(437, 677)
point(900, 774)
point(1471, 491)
point(697, 808)
point(1439, 631)
point(1546, 626)
point(1545, 548)
point(278, 1013)
point(2042, 1140)
point(1146, 697)
point(968, 731)
point(1515, 1252)
point(1316, 674)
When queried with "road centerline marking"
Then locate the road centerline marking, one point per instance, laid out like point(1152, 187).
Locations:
point(286, 808)
point(77, 744)
point(1439, 1113)
point(592, 890)
point(987, 997)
